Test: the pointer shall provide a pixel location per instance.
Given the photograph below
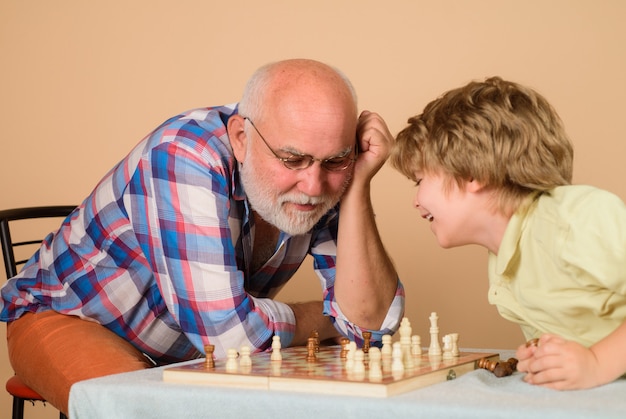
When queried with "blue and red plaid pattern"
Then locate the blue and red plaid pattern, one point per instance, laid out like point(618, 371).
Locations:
point(159, 252)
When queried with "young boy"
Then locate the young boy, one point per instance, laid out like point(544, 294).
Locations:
point(493, 166)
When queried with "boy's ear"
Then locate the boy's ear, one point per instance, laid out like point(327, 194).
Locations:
point(237, 136)
point(474, 186)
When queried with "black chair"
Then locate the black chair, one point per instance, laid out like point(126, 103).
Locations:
point(14, 385)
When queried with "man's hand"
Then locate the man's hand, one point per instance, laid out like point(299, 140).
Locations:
point(374, 141)
point(310, 317)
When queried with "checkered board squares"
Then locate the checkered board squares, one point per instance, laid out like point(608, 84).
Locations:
point(326, 375)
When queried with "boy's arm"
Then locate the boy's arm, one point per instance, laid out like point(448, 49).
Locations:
point(565, 365)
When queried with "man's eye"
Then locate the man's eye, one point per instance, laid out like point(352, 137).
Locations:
point(338, 162)
point(295, 159)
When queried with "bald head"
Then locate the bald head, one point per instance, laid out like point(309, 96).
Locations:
point(298, 85)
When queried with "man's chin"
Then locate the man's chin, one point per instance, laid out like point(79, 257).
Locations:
point(298, 230)
point(300, 225)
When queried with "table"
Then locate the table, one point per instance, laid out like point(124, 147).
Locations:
point(478, 394)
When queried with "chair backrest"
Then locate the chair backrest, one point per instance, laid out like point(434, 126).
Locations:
point(29, 213)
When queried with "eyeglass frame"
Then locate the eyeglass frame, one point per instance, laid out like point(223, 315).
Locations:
point(307, 157)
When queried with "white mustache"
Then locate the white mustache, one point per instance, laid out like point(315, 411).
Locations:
point(302, 199)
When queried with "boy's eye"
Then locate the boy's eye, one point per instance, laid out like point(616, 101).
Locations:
point(417, 182)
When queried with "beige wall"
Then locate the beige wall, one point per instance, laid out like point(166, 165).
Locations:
point(82, 82)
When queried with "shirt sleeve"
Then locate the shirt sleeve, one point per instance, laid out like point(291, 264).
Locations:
point(180, 205)
point(324, 252)
point(594, 251)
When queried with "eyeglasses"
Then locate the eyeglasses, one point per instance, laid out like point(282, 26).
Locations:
point(304, 161)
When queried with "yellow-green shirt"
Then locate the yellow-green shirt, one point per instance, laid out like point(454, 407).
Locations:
point(561, 266)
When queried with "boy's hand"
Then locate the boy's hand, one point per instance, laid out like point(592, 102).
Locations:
point(525, 352)
point(559, 364)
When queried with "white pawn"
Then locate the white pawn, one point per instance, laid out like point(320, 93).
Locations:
point(397, 366)
point(359, 363)
point(352, 347)
point(231, 360)
point(386, 350)
point(375, 365)
point(455, 344)
point(244, 359)
point(351, 355)
point(276, 346)
point(416, 345)
point(447, 347)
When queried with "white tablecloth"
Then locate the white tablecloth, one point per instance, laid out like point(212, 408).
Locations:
point(478, 394)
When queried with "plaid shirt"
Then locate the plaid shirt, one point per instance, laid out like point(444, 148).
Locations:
point(160, 253)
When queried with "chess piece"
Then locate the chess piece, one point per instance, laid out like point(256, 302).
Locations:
point(532, 342)
point(405, 329)
point(397, 364)
point(244, 358)
point(387, 347)
point(276, 346)
point(416, 346)
point(513, 362)
point(434, 350)
point(375, 364)
point(209, 362)
point(405, 342)
point(359, 364)
point(276, 368)
point(502, 369)
point(344, 348)
point(311, 350)
point(455, 344)
point(367, 336)
point(350, 356)
point(447, 347)
point(486, 364)
point(499, 368)
point(352, 348)
point(375, 355)
point(231, 360)
point(316, 336)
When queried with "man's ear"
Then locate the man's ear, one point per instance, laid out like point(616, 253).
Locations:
point(237, 136)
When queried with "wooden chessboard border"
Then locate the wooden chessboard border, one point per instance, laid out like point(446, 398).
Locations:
point(326, 375)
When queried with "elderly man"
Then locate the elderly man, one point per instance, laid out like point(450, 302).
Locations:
point(187, 240)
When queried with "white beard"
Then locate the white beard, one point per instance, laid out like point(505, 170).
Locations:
point(271, 206)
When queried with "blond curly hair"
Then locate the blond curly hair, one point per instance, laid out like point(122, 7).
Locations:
point(499, 133)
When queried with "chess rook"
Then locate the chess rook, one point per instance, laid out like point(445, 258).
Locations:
point(210, 359)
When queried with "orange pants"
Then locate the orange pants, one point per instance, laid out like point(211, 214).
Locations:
point(51, 351)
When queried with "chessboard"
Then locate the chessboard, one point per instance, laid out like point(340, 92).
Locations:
point(326, 373)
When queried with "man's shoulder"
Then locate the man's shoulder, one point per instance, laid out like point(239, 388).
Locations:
point(197, 128)
point(213, 116)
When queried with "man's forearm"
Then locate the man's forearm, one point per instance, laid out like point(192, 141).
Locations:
point(366, 280)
